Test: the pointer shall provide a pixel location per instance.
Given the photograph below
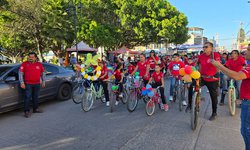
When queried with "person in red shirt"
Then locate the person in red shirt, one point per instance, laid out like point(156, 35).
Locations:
point(152, 61)
point(31, 73)
point(236, 63)
point(173, 69)
point(103, 78)
point(131, 68)
point(119, 79)
point(243, 75)
point(210, 75)
point(158, 78)
point(190, 62)
point(143, 68)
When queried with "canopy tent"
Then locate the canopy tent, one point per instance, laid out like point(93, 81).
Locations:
point(82, 47)
point(124, 50)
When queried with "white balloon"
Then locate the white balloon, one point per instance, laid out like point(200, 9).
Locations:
point(98, 72)
point(88, 77)
point(95, 77)
point(82, 66)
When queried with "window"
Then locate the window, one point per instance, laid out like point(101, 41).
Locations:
point(14, 73)
point(51, 69)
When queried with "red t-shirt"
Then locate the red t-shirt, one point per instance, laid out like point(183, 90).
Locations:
point(32, 72)
point(207, 68)
point(151, 62)
point(157, 77)
point(142, 68)
point(192, 64)
point(174, 67)
point(131, 68)
point(103, 71)
point(245, 85)
point(236, 65)
point(118, 75)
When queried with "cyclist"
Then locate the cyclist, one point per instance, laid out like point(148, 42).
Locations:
point(243, 75)
point(210, 75)
point(152, 60)
point(119, 79)
point(236, 63)
point(103, 78)
point(173, 70)
point(143, 67)
point(158, 78)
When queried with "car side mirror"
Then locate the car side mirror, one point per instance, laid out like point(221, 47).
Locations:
point(10, 79)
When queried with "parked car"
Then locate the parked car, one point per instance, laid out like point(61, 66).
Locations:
point(58, 85)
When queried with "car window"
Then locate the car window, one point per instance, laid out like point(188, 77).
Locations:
point(13, 73)
point(51, 69)
point(3, 70)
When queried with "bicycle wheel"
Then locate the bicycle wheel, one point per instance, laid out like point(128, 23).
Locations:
point(180, 97)
point(87, 101)
point(102, 95)
point(194, 111)
point(150, 108)
point(231, 101)
point(77, 94)
point(125, 96)
point(132, 100)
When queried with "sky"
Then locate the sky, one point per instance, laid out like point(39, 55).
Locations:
point(216, 16)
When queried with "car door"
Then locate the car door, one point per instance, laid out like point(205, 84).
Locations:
point(51, 83)
point(11, 93)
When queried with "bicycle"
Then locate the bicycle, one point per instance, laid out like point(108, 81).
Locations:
point(91, 94)
point(78, 91)
point(195, 105)
point(156, 99)
point(232, 98)
point(134, 94)
point(179, 92)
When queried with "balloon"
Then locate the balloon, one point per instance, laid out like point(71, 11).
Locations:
point(86, 76)
point(143, 88)
point(83, 73)
point(82, 66)
point(82, 70)
point(151, 94)
point(148, 86)
point(144, 93)
point(98, 72)
point(92, 78)
point(182, 71)
point(95, 77)
point(98, 75)
point(150, 89)
point(195, 75)
point(113, 88)
point(194, 69)
point(112, 77)
point(188, 69)
point(187, 78)
point(98, 68)
point(137, 74)
point(96, 57)
point(137, 77)
point(89, 56)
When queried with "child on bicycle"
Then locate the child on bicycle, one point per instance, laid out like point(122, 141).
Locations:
point(158, 78)
point(103, 78)
point(119, 79)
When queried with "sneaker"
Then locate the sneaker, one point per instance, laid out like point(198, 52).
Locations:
point(107, 103)
point(213, 117)
point(165, 107)
point(116, 103)
point(162, 106)
point(121, 95)
point(221, 103)
point(184, 103)
point(27, 114)
point(171, 98)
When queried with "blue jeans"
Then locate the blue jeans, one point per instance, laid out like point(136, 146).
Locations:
point(245, 122)
point(172, 84)
point(31, 92)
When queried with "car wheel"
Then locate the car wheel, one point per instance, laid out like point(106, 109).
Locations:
point(64, 92)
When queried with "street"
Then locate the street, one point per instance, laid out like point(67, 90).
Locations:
point(63, 125)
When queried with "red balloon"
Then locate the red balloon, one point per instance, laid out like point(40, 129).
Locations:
point(188, 69)
point(143, 88)
point(150, 89)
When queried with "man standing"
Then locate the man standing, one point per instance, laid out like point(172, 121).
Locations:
point(31, 73)
point(210, 75)
point(243, 75)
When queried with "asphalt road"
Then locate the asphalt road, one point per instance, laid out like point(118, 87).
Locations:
point(64, 125)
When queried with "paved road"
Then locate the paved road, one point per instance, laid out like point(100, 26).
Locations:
point(64, 125)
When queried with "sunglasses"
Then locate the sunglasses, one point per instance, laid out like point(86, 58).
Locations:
point(205, 47)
